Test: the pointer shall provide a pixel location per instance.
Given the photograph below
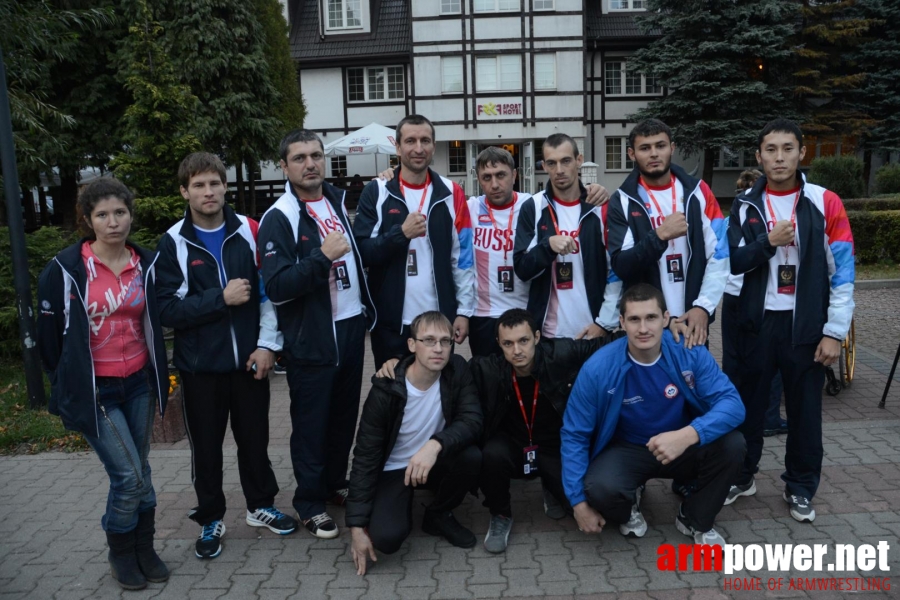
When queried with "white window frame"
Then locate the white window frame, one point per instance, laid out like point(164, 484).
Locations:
point(453, 62)
point(630, 5)
point(623, 154)
point(450, 11)
point(337, 163)
point(450, 149)
point(511, 6)
point(545, 5)
point(386, 75)
point(746, 160)
point(623, 80)
point(363, 13)
point(498, 65)
point(553, 60)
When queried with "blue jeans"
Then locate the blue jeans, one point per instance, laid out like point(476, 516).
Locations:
point(125, 409)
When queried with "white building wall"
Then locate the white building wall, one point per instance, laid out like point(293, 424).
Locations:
point(323, 92)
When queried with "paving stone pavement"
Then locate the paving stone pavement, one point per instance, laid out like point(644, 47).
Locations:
point(51, 544)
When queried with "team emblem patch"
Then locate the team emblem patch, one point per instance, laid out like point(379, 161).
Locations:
point(671, 391)
point(485, 219)
point(45, 305)
point(270, 245)
point(688, 378)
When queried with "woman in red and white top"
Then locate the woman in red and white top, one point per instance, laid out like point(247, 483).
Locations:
point(101, 343)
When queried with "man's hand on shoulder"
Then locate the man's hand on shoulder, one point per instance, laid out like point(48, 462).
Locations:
point(668, 446)
point(387, 369)
point(591, 332)
point(597, 195)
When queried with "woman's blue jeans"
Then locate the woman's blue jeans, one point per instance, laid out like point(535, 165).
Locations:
point(125, 408)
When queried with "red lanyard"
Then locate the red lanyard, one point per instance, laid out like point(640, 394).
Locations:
point(424, 190)
point(512, 209)
point(556, 225)
point(655, 203)
point(775, 217)
point(529, 426)
point(319, 223)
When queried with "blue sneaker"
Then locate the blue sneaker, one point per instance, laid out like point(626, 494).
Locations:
point(274, 519)
point(209, 544)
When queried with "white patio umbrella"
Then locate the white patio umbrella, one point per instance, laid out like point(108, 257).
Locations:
point(371, 139)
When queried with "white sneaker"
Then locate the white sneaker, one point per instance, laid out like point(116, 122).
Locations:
point(711, 537)
point(636, 525)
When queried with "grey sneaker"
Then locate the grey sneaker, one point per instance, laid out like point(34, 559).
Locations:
point(636, 525)
point(552, 507)
point(736, 491)
point(801, 508)
point(711, 537)
point(498, 534)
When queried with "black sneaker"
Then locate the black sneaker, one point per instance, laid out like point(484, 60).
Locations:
point(801, 508)
point(274, 519)
point(552, 507)
point(209, 544)
point(339, 497)
point(736, 491)
point(322, 526)
point(684, 488)
point(446, 526)
point(279, 369)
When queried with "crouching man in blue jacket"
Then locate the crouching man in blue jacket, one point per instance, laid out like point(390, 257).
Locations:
point(644, 407)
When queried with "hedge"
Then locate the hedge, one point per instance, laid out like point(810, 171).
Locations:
point(887, 179)
point(876, 235)
point(841, 174)
point(873, 204)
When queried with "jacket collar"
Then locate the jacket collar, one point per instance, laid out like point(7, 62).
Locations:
point(397, 385)
point(232, 223)
point(756, 194)
point(585, 207)
point(688, 182)
point(70, 257)
point(439, 191)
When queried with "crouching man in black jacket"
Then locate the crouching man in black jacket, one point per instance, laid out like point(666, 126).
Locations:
point(419, 427)
point(523, 396)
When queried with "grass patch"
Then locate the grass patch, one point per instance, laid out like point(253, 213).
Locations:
point(878, 271)
point(26, 431)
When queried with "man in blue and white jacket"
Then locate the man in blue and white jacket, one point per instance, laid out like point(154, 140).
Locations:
point(646, 407)
point(226, 337)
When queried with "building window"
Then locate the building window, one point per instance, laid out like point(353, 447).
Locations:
point(496, 5)
point(627, 4)
point(451, 75)
point(543, 4)
point(372, 84)
point(450, 7)
point(545, 71)
point(338, 166)
point(499, 73)
point(344, 14)
point(457, 156)
point(617, 155)
point(736, 159)
point(620, 78)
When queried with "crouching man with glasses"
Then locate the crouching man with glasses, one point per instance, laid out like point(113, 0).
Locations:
point(419, 428)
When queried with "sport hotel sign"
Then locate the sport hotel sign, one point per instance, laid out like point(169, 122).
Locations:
point(488, 109)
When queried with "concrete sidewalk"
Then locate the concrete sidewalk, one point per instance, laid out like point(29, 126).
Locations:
point(51, 544)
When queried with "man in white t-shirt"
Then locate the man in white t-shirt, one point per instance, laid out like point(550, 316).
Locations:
point(418, 428)
point(314, 275)
point(560, 249)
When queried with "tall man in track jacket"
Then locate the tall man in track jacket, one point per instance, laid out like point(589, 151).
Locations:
point(313, 273)
point(792, 241)
point(560, 249)
point(664, 229)
point(646, 407)
point(415, 237)
point(225, 339)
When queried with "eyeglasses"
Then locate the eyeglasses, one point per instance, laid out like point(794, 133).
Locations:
point(430, 342)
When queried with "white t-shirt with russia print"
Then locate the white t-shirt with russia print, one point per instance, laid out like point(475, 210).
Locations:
point(345, 301)
point(568, 311)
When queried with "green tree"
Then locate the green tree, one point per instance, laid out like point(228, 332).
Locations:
point(290, 109)
point(219, 51)
point(724, 64)
point(159, 126)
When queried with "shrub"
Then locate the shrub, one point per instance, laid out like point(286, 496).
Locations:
point(876, 235)
point(153, 216)
point(843, 175)
point(873, 204)
point(887, 179)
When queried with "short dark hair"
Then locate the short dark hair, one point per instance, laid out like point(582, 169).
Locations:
point(200, 162)
point(747, 178)
point(782, 126)
point(430, 317)
point(558, 139)
point(641, 293)
point(414, 120)
point(646, 128)
point(101, 189)
point(514, 317)
point(492, 155)
point(297, 135)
